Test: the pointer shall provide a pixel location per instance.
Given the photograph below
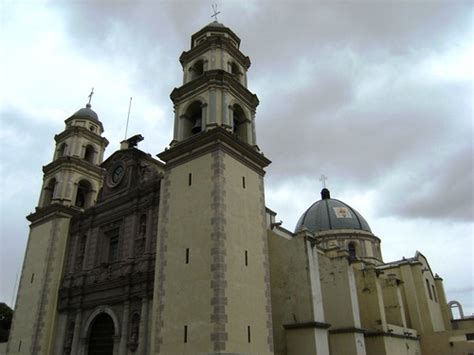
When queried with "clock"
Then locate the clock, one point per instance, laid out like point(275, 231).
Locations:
point(116, 175)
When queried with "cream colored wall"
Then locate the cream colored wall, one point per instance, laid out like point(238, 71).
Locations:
point(371, 302)
point(35, 309)
point(294, 300)
point(386, 345)
point(447, 343)
point(188, 292)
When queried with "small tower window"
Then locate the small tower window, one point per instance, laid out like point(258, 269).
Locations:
point(49, 192)
point(89, 154)
point(352, 250)
point(239, 121)
point(84, 194)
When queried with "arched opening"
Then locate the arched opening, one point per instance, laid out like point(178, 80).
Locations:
point(240, 124)
point(89, 154)
point(197, 69)
point(101, 336)
point(456, 310)
point(352, 250)
point(84, 194)
point(62, 150)
point(49, 192)
point(193, 119)
point(235, 70)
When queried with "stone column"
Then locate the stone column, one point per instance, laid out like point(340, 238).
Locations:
point(76, 340)
point(123, 337)
point(142, 338)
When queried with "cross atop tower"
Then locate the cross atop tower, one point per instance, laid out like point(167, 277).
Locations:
point(323, 179)
point(90, 97)
point(214, 8)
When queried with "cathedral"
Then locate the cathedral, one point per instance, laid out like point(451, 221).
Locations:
point(180, 255)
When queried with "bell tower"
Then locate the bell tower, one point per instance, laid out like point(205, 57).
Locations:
point(70, 185)
point(212, 286)
point(214, 91)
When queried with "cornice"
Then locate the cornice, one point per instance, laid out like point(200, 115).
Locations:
point(306, 325)
point(216, 78)
point(209, 28)
point(69, 162)
point(212, 42)
point(43, 214)
point(78, 130)
point(214, 139)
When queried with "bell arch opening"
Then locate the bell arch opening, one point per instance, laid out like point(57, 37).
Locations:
point(192, 120)
point(197, 69)
point(101, 336)
point(62, 150)
point(89, 154)
point(83, 194)
point(48, 193)
point(240, 125)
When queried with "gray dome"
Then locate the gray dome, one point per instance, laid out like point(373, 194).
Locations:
point(329, 214)
point(86, 113)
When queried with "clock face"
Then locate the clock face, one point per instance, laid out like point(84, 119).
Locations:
point(116, 175)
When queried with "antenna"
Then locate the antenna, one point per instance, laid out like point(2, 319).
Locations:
point(128, 118)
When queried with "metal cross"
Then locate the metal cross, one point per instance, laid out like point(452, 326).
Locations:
point(214, 8)
point(90, 96)
point(323, 179)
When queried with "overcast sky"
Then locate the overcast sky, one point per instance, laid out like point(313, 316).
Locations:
point(376, 95)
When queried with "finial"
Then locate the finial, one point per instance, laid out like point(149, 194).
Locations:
point(90, 98)
point(323, 179)
point(214, 8)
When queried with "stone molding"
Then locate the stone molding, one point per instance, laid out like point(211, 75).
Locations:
point(306, 325)
point(81, 131)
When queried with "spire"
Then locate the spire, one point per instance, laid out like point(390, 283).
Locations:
point(90, 98)
point(214, 9)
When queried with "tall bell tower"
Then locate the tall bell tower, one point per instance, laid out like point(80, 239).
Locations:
point(70, 185)
point(212, 286)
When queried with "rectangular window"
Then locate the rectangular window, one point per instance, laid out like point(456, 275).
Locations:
point(190, 179)
point(113, 248)
point(32, 278)
point(246, 258)
point(249, 339)
point(243, 182)
point(185, 333)
point(19, 346)
point(429, 289)
point(469, 336)
point(187, 255)
point(434, 293)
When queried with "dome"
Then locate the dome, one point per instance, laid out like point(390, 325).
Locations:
point(86, 113)
point(330, 214)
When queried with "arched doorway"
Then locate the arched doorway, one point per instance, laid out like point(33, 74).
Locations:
point(101, 336)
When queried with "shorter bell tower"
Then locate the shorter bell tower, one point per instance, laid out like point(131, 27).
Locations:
point(71, 183)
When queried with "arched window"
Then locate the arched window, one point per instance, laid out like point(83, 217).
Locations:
point(352, 250)
point(49, 192)
point(89, 154)
point(240, 124)
point(192, 119)
point(84, 194)
point(197, 69)
point(101, 336)
point(62, 150)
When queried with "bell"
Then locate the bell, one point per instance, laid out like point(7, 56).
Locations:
point(197, 126)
